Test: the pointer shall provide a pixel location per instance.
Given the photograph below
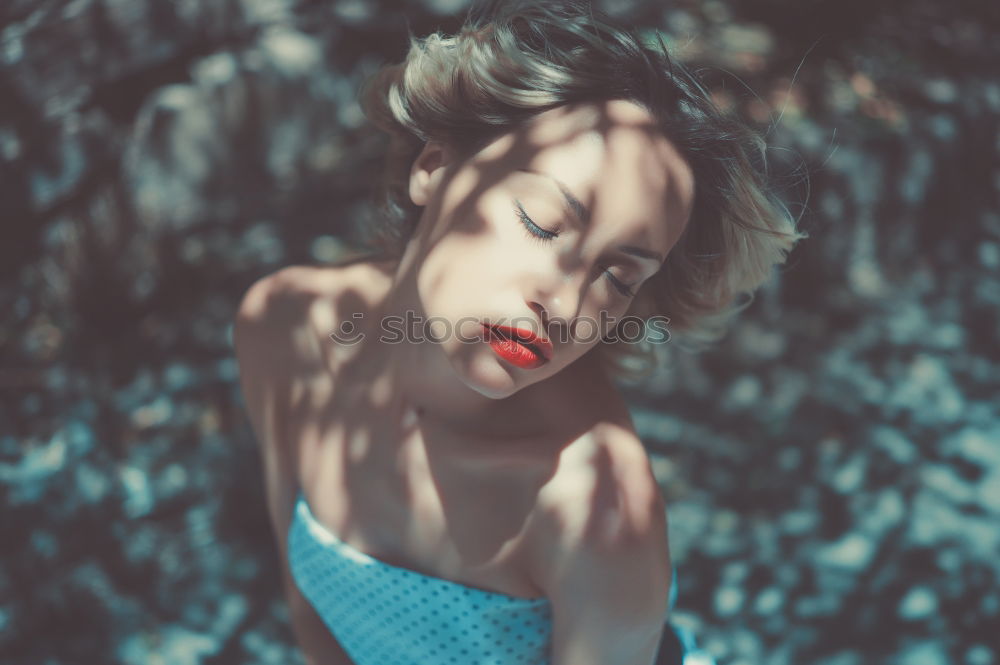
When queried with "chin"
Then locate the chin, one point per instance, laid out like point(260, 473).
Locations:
point(490, 378)
point(492, 382)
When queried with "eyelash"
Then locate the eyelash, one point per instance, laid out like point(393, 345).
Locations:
point(540, 235)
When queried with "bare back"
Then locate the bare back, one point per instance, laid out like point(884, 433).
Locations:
point(480, 516)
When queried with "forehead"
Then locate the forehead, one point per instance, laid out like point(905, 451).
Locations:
point(612, 156)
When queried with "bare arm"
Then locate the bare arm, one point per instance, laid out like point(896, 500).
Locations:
point(268, 316)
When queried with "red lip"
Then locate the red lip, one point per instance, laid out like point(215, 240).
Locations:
point(543, 346)
point(518, 346)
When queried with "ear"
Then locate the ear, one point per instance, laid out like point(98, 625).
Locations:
point(428, 171)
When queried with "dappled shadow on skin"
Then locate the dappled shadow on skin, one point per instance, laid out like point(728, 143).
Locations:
point(360, 472)
point(492, 169)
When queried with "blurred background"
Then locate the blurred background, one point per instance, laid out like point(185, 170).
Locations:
point(832, 469)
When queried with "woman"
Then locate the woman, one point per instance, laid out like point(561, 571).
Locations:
point(451, 471)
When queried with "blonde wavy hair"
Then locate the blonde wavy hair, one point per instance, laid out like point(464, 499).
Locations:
point(513, 59)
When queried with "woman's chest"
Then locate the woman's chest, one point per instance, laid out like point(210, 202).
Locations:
point(381, 490)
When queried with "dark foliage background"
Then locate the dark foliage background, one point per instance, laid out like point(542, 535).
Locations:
point(832, 469)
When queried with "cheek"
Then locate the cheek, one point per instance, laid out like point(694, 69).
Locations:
point(481, 252)
point(572, 353)
point(460, 272)
point(598, 316)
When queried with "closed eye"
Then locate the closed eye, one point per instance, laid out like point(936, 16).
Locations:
point(622, 287)
point(535, 232)
point(540, 235)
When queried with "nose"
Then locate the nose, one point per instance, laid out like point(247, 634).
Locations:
point(556, 305)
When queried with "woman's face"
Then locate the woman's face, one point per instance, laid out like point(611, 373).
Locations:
point(549, 229)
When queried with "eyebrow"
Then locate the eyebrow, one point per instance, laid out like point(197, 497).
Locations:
point(641, 253)
point(582, 213)
point(573, 204)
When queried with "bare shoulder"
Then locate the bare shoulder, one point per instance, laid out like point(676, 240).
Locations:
point(282, 299)
point(602, 554)
point(603, 490)
point(605, 467)
point(282, 335)
point(289, 295)
point(285, 318)
point(276, 347)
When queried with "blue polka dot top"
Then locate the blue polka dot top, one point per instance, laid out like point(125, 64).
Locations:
point(386, 615)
